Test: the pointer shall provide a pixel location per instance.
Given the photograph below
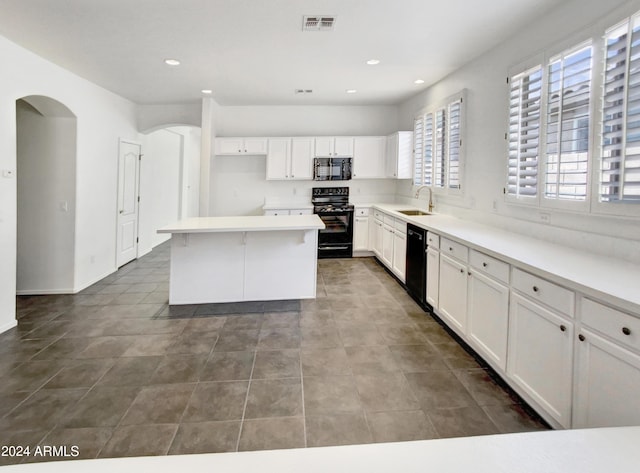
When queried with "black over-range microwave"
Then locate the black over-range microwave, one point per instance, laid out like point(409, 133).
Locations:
point(332, 169)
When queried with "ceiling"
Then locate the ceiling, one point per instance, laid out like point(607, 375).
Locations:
point(254, 52)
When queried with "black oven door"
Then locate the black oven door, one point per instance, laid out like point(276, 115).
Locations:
point(336, 239)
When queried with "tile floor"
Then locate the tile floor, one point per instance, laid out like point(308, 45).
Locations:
point(116, 372)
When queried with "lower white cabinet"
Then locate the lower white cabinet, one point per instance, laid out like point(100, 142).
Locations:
point(400, 251)
point(387, 245)
point(488, 318)
point(288, 211)
point(433, 276)
point(453, 292)
point(540, 357)
point(360, 233)
point(378, 232)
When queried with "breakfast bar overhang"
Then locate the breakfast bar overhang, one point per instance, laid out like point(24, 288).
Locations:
point(244, 258)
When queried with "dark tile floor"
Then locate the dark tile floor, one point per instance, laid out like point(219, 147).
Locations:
point(116, 372)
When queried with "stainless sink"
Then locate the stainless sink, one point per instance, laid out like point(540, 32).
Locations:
point(413, 212)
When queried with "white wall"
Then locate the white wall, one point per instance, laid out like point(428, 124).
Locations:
point(486, 124)
point(238, 185)
point(154, 116)
point(46, 176)
point(102, 118)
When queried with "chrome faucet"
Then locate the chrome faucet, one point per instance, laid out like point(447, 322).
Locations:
point(430, 196)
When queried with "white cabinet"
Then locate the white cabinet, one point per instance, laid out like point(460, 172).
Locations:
point(607, 378)
point(240, 146)
point(290, 158)
point(488, 317)
point(433, 276)
point(540, 357)
point(361, 229)
point(330, 146)
point(368, 157)
point(288, 211)
point(378, 234)
point(399, 155)
point(400, 250)
point(387, 245)
point(453, 292)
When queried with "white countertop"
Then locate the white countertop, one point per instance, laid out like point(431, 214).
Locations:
point(613, 280)
point(564, 451)
point(258, 223)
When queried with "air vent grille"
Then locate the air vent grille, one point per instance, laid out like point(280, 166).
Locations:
point(303, 91)
point(318, 22)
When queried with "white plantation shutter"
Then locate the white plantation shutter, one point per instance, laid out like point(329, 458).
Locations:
point(418, 150)
point(524, 131)
point(428, 149)
point(453, 174)
point(567, 125)
point(439, 165)
point(620, 168)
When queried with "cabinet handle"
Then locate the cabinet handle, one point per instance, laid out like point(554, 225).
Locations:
point(469, 273)
point(462, 270)
point(292, 176)
point(535, 289)
point(450, 249)
point(245, 150)
point(581, 338)
point(626, 330)
point(484, 265)
point(239, 151)
point(563, 328)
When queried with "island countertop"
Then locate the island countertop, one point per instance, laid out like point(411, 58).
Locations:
point(257, 223)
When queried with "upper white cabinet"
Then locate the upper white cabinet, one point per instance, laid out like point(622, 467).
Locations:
point(399, 155)
point(330, 146)
point(290, 158)
point(240, 146)
point(369, 157)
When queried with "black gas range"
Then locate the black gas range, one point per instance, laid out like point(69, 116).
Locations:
point(332, 205)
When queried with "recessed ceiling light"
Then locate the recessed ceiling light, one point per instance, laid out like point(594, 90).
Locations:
point(373, 62)
point(418, 81)
point(172, 62)
point(351, 91)
point(207, 91)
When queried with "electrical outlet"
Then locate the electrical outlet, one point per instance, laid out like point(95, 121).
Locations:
point(8, 173)
point(545, 217)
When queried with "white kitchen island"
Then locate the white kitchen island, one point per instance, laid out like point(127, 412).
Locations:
point(243, 258)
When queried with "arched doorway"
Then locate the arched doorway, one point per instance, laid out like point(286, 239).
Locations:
point(46, 196)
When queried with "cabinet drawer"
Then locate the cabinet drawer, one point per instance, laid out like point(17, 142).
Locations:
point(401, 226)
point(377, 214)
point(277, 212)
point(454, 249)
point(489, 265)
point(621, 327)
point(433, 240)
point(301, 211)
point(546, 292)
point(389, 220)
point(362, 211)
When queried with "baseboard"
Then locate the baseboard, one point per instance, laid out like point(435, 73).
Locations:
point(9, 326)
point(100, 278)
point(43, 292)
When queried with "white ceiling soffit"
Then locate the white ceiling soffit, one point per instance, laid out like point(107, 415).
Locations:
point(254, 52)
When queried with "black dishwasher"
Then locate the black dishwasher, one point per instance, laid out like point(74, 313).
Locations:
point(416, 270)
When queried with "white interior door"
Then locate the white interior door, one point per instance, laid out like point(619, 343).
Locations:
point(128, 171)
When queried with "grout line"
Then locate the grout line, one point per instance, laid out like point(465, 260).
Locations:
point(246, 400)
point(304, 413)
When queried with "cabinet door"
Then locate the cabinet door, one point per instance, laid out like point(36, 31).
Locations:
point(323, 147)
point(400, 254)
point(343, 146)
point(302, 158)
point(391, 156)
point(453, 293)
point(488, 318)
point(361, 234)
point(378, 233)
point(433, 277)
point(229, 146)
point(278, 158)
point(540, 357)
point(255, 146)
point(607, 384)
point(387, 246)
point(368, 157)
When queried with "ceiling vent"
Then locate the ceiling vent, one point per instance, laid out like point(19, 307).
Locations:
point(303, 91)
point(318, 22)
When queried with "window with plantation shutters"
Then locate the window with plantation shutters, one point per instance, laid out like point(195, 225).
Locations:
point(437, 136)
point(455, 142)
point(567, 124)
point(620, 161)
point(524, 132)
